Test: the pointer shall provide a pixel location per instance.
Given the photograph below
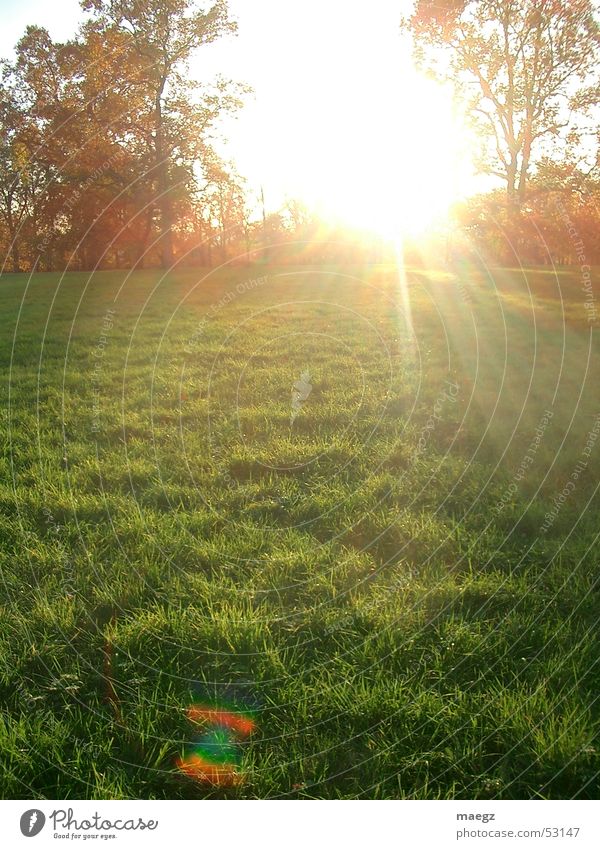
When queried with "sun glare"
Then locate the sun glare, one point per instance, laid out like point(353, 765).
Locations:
point(397, 172)
point(350, 126)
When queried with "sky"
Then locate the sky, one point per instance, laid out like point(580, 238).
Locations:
point(339, 117)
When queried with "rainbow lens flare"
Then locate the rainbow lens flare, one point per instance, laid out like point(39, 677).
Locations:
point(215, 757)
point(200, 769)
point(239, 723)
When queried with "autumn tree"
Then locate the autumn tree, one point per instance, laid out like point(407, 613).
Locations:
point(15, 193)
point(164, 34)
point(71, 164)
point(524, 68)
point(103, 150)
point(26, 171)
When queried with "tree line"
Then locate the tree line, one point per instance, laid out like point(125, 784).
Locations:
point(105, 147)
point(107, 156)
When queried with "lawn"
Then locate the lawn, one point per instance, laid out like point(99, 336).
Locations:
point(356, 507)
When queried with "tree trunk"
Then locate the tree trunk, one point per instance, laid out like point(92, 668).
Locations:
point(166, 215)
point(15, 256)
point(164, 199)
point(141, 247)
point(522, 187)
point(512, 199)
point(12, 235)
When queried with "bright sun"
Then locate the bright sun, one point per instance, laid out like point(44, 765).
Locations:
point(396, 172)
point(342, 120)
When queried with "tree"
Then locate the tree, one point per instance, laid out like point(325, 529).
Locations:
point(559, 222)
point(81, 181)
point(164, 34)
point(15, 192)
point(521, 66)
point(73, 161)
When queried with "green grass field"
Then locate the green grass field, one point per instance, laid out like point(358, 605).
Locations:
point(396, 568)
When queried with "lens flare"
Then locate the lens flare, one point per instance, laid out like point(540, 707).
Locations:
point(238, 722)
point(215, 757)
point(203, 771)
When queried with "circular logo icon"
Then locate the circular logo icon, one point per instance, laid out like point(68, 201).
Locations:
point(32, 822)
